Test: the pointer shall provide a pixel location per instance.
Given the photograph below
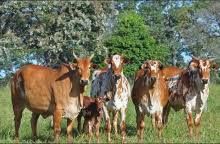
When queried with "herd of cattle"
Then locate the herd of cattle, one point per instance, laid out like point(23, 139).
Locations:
point(59, 92)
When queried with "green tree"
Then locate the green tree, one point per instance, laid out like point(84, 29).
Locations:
point(48, 31)
point(131, 37)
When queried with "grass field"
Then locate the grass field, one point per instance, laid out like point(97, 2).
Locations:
point(175, 132)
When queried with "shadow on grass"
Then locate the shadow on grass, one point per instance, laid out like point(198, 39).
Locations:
point(131, 130)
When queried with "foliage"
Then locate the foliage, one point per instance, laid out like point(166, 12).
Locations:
point(202, 34)
point(131, 38)
point(48, 31)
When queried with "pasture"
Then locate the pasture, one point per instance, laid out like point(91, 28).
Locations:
point(175, 132)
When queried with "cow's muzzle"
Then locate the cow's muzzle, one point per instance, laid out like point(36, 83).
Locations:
point(117, 77)
point(149, 81)
point(84, 82)
point(204, 81)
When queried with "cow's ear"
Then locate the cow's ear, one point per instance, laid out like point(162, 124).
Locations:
point(73, 66)
point(95, 66)
point(214, 66)
point(75, 60)
point(108, 61)
point(143, 66)
point(160, 66)
point(125, 60)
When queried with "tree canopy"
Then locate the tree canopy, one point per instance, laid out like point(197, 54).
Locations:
point(131, 37)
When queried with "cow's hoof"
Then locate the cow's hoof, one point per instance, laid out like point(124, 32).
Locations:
point(70, 140)
point(109, 141)
point(16, 140)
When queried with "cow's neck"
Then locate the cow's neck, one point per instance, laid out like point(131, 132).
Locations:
point(76, 87)
point(156, 86)
point(195, 82)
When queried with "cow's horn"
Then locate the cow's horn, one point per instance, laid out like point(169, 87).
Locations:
point(195, 58)
point(212, 59)
point(75, 55)
point(92, 56)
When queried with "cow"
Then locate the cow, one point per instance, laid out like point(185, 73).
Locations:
point(191, 91)
point(149, 95)
point(46, 91)
point(112, 83)
point(171, 75)
point(92, 112)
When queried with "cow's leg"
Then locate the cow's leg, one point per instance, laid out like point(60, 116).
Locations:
point(34, 119)
point(159, 124)
point(17, 120)
point(108, 129)
point(86, 125)
point(115, 121)
point(107, 123)
point(97, 125)
point(57, 123)
point(123, 124)
point(153, 120)
point(166, 111)
point(79, 122)
point(197, 123)
point(69, 130)
point(51, 122)
point(140, 126)
point(90, 123)
point(190, 123)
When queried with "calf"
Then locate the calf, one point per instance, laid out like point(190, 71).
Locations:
point(92, 113)
point(149, 95)
point(191, 91)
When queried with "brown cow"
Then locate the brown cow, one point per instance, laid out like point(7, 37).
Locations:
point(92, 112)
point(45, 91)
point(171, 75)
point(191, 91)
point(149, 95)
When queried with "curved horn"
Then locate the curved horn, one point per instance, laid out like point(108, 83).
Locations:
point(212, 59)
point(195, 58)
point(92, 56)
point(75, 55)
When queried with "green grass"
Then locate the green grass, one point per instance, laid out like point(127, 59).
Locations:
point(175, 132)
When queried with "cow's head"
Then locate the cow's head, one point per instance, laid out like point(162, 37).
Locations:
point(116, 63)
point(83, 66)
point(151, 68)
point(202, 67)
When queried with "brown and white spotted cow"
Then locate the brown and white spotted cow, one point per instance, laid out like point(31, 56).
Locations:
point(191, 92)
point(112, 83)
point(149, 95)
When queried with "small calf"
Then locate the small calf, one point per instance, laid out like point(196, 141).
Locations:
point(92, 113)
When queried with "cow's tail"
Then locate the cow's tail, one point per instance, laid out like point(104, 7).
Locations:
point(17, 87)
point(12, 86)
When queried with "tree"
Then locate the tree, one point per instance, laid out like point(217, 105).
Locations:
point(202, 32)
point(48, 31)
point(131, 37)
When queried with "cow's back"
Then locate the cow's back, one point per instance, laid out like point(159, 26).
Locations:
point(171, 71)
